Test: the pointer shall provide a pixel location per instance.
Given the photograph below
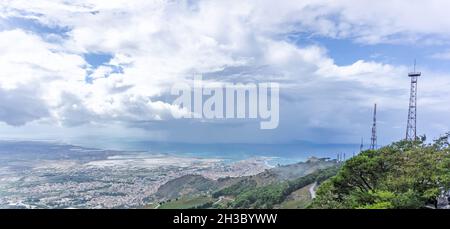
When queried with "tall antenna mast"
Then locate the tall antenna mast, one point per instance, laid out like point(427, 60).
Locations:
point(362, 145)
point(411, 131)
point(373, 139)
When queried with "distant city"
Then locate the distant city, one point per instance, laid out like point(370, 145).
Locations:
point(50, 175)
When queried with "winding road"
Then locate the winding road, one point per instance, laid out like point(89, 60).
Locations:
point(312, 190)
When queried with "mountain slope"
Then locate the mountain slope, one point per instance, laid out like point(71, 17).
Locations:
point(185, 185)
point(233, 188)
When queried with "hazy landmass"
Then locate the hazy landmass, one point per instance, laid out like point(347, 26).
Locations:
point(49, 175)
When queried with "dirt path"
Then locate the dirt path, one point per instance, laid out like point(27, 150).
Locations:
point(312, 190)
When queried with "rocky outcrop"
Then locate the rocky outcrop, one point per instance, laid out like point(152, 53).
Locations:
point(443, 202)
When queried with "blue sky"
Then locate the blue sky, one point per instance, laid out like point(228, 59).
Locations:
point(346, 52)
point(104, 69)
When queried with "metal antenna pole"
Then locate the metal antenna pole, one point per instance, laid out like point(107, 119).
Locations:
point(411, 130)
point(373, 139)
point(362, 145)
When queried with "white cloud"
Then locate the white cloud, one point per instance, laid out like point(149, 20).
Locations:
point(49, 83)
point(441, 56)
point(25, 58)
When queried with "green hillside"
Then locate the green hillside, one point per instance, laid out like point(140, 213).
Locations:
point(273, 194)
point(401, 175)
